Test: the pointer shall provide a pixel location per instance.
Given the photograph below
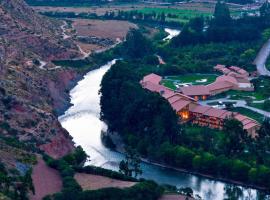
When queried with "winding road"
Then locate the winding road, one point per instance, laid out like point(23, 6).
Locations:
point(261, 59)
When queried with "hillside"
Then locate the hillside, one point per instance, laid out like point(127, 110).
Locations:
point(29, 92)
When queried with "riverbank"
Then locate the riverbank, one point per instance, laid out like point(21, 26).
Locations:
point(120, 148)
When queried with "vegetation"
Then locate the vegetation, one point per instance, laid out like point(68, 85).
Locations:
point(93, 61)
point(148, 124)
point(15, 182)
point(98, 2)
point(194, 79)
point(131, 165)
point(133, 16)
point(72, 190)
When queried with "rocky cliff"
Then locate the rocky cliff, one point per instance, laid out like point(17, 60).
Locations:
point(30, 92)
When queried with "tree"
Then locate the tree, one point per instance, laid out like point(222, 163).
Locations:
point(233, 192)
point(131, 165)
point(236, 137)
point(136, 45)
point(222, 15)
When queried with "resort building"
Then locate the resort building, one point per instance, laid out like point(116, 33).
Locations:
point(233, 78)
point(188, 109)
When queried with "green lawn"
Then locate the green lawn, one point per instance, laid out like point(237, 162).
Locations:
point(194, 79)
point(182, 15)
point(240, 95)
point(244, 111)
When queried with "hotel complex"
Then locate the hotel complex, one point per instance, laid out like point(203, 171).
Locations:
point(185, 99)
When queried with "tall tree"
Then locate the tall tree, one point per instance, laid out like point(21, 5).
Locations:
point(136, 45)
point(222, 15)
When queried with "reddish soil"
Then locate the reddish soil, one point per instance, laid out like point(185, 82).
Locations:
point(94, 182)
point(175, 197)
point(112, 29)
point(46, 180)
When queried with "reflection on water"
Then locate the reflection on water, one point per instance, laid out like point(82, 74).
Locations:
point(81, 120)
point(172, 33)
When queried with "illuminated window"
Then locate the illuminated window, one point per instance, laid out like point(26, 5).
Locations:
point(204, 97)
point(185, 114)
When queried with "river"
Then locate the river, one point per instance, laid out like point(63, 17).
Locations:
point(82, 122)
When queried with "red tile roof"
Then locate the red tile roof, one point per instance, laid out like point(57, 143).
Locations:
point(153, 78)
point(228, 79)
point(227, 114)
point(250, 125)
point(214, 112)
point(174, 98)
point(180, 104)
point(218, 85)
point(200, 109)
point(195, 90)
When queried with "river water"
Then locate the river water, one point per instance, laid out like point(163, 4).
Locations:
point(82, 122)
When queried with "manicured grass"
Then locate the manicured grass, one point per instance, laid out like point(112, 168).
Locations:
point(171, 81)
point(257, 105)
point(169, 84)
point(182, 15)
point(244, 111)
point(242, 95)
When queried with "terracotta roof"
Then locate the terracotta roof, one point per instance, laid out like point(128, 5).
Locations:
point(195, 90)
point(156, 88)
point(229, 79)
point(218, 67)
point(214, 112)
point(174, 98)
point(250, 125)
point(246, 121)
point(239, 70)
point(200, 109)
point(234, 68)
point(240, 117)
point(168, 94)
point(180, 104)
point(217, 85)
point(153, 78)
point(227, 114)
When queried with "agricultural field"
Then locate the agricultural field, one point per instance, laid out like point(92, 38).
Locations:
point(174, 82)
point(112, 29)
point(94, 182)
point(176, 14)
point(181, 13)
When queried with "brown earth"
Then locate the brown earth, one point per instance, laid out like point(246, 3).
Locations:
point(112, 29)
point(94, 182)
point(46, 180)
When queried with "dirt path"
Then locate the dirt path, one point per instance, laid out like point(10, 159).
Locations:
point(46, 180)
point(94, 182)
point(262, 58)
